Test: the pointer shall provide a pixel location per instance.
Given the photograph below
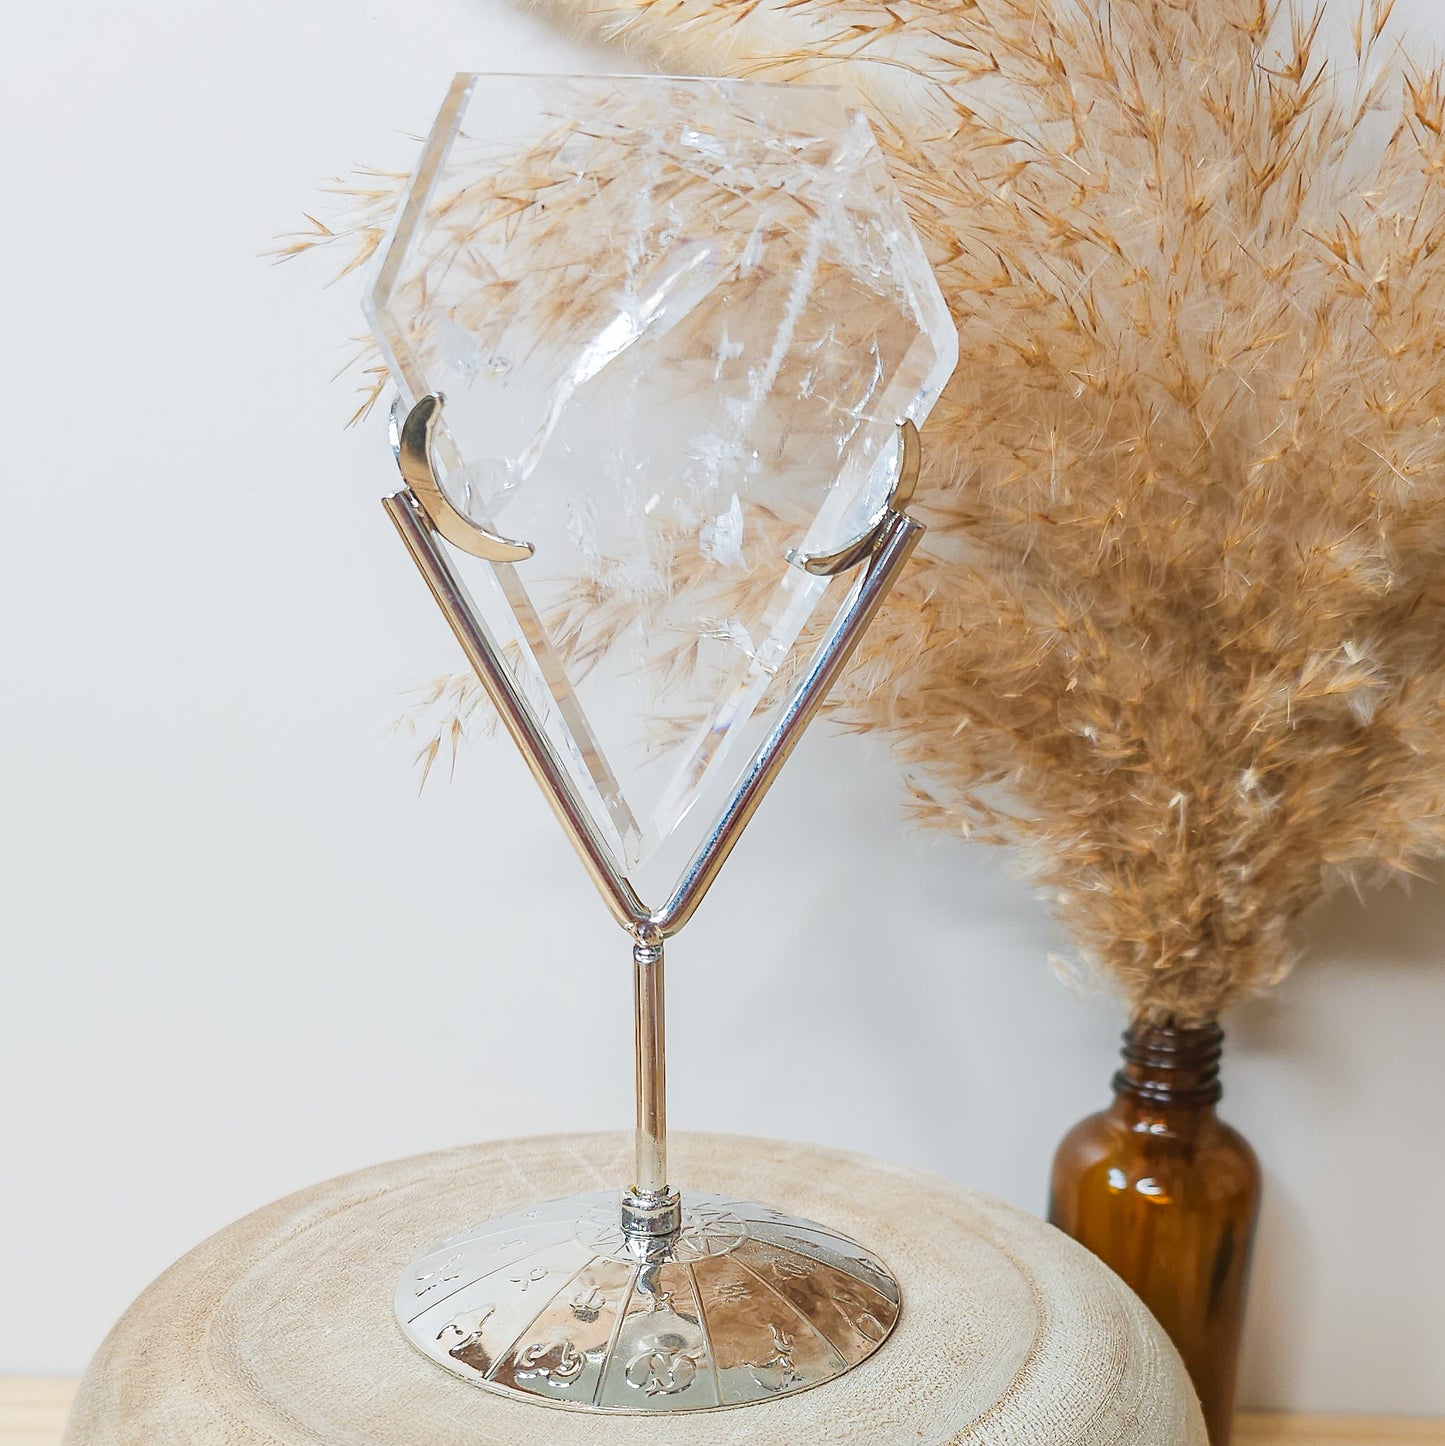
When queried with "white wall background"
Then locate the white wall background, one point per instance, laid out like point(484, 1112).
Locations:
point(241, 955)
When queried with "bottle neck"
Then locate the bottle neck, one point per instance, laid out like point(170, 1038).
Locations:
point(1167, 1068)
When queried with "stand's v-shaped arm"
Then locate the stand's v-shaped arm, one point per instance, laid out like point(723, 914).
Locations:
point(651, 1210)
point(422, 514)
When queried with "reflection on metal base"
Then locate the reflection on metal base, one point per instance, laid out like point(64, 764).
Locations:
point(557, 1303)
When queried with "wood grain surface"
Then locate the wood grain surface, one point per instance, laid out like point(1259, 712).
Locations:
point(279, 1332)
point(1000, 1311)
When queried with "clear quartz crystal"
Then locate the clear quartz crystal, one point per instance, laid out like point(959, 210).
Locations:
point(676, 323)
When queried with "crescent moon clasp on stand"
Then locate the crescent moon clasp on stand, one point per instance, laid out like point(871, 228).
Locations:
point(413, 446)
point(830, 564)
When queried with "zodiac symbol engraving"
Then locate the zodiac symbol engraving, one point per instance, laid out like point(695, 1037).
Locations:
point(507, 1245)
point(466, 1330)
point(793, 1268)
point(779, 1372)
point(867, 1324)
point(534, 1360)
point(732, 1292)
point(530, 1277)
point(861, 1314)
point(661, 1370)
point(442, 1274)
point(587, 1305)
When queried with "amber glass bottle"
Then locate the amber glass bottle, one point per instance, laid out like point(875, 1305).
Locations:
point(1167, 1195)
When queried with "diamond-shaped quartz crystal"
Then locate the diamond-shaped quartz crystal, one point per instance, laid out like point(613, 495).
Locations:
point(676, 323)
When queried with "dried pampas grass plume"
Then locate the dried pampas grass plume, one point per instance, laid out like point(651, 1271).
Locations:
point(1178, 633)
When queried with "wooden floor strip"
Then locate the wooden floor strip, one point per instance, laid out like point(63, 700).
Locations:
point(1337, 1431)
point(32, 1410)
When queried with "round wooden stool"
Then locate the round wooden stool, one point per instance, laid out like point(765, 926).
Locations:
point(279, 1330)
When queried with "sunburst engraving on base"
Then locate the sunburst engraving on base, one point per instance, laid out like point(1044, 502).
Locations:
point(744, 1304)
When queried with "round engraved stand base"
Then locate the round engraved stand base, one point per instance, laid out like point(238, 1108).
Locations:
point(556, 1303)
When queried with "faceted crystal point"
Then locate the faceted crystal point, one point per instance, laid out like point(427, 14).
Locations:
point(676, 323)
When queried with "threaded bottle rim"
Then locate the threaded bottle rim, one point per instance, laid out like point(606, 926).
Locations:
point(1167, 1064)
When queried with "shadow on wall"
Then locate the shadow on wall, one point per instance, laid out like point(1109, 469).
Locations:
point(1393, 932)
point(1283, 1296)
point(1338, 1082)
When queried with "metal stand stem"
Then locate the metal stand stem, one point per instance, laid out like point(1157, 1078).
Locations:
point(651, 1209)
point(653, 1310)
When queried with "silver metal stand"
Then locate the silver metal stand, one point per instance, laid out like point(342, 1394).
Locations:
point(657, 1302)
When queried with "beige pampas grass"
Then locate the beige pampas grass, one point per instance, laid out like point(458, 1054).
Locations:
point(1178, 629)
